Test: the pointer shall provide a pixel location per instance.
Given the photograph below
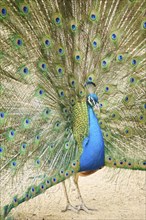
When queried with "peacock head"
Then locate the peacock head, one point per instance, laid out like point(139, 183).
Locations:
point(92, 100)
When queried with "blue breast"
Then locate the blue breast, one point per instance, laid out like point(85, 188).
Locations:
point(92, 157)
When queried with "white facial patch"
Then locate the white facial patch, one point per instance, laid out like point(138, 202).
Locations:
point(91, 101)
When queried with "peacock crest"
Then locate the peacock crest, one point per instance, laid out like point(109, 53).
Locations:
point(56, 57)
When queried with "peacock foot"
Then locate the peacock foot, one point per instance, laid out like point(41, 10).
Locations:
point(69, 207)
point(85, 208)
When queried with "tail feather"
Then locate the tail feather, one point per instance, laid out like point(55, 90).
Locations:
point(51, 51)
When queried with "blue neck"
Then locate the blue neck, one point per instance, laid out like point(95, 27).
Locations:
point(92, 157)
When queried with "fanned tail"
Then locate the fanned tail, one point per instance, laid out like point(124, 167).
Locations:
point(50, 52)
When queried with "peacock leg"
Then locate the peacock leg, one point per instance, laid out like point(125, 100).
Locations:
point(68, 205)
point(82, 206)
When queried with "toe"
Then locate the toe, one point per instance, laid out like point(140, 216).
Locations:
point(69, 207)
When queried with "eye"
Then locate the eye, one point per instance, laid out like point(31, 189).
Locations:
point(91, 101)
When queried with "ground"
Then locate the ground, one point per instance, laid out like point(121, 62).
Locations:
point(116, 194)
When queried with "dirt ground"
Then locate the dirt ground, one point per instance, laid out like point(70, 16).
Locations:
point(116, 194)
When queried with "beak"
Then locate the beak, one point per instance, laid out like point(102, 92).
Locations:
point(97, 107)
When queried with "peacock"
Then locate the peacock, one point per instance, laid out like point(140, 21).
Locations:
point(72, 93)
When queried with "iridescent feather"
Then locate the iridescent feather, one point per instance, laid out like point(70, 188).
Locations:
point(56, 57)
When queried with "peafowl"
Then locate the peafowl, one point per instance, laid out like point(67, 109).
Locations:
point(72, 92)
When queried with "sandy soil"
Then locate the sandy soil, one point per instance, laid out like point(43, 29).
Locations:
point(116, 194)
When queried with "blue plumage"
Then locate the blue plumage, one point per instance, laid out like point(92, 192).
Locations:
point(92, 157)
point(54, 56)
